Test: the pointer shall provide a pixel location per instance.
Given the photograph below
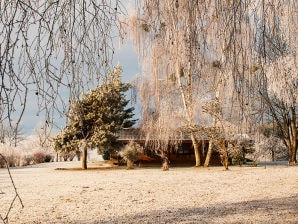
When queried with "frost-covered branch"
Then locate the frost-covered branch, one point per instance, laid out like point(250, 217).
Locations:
point(51, 51)
point(16, 197)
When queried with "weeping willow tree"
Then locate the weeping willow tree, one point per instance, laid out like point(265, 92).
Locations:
point(260, 54)
point(215, 55)
point(185, 46)
point(276, 45)
point(170, 37)
point(51, 51)
point(234, 107)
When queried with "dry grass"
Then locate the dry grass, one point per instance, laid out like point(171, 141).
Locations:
point(148, 195)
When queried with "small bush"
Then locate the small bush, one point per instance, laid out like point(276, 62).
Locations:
point(253, 164)
point(27, 160)
point(39, 156)
point(2, 162)
point(48, 158)
point(236, 153)
point(106, 155)
point(130, 153)
point(12, 159)
point(238, 158)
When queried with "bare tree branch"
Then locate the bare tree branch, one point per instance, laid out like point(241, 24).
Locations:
point(48, 47)
point(16, 197)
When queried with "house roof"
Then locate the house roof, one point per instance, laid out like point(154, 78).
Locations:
point(127, 134)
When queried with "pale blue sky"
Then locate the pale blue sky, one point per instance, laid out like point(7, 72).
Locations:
point(125, 56)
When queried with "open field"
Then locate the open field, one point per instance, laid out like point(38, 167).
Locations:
point(148, 195)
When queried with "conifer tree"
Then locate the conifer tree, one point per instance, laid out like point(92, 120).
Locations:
point(95, 119)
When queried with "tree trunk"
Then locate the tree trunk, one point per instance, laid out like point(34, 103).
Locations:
point(189, 118)
point(272, 155)
point(214, 121)
point(78, 154)
point(196, 149)
point(225, 159)
point(209, 153)
point(226, 162)
point(293, 153)
point(293, 138)
point(129, 164)
point(165, 165)
point(84, 158)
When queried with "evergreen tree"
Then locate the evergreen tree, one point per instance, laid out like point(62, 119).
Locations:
point(95, 119)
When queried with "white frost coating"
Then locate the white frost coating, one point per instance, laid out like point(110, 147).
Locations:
point(282, 78)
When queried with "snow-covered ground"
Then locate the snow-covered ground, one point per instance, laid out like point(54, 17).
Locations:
point(264, 194)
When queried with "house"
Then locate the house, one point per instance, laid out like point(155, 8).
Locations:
point(180, 151)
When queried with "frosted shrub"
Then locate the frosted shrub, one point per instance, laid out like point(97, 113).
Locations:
point(27, 152)
point(48, 158)
point(237, 150)
point(236, 153)
point(130, 153)
point(12, 156)
point(27, 160)
point(106, 155)
point(12, 159)
point(39, 156)
point(271, 148)
point(2, 162)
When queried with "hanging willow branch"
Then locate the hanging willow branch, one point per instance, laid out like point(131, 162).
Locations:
point(16, 197)
point(51, 51)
